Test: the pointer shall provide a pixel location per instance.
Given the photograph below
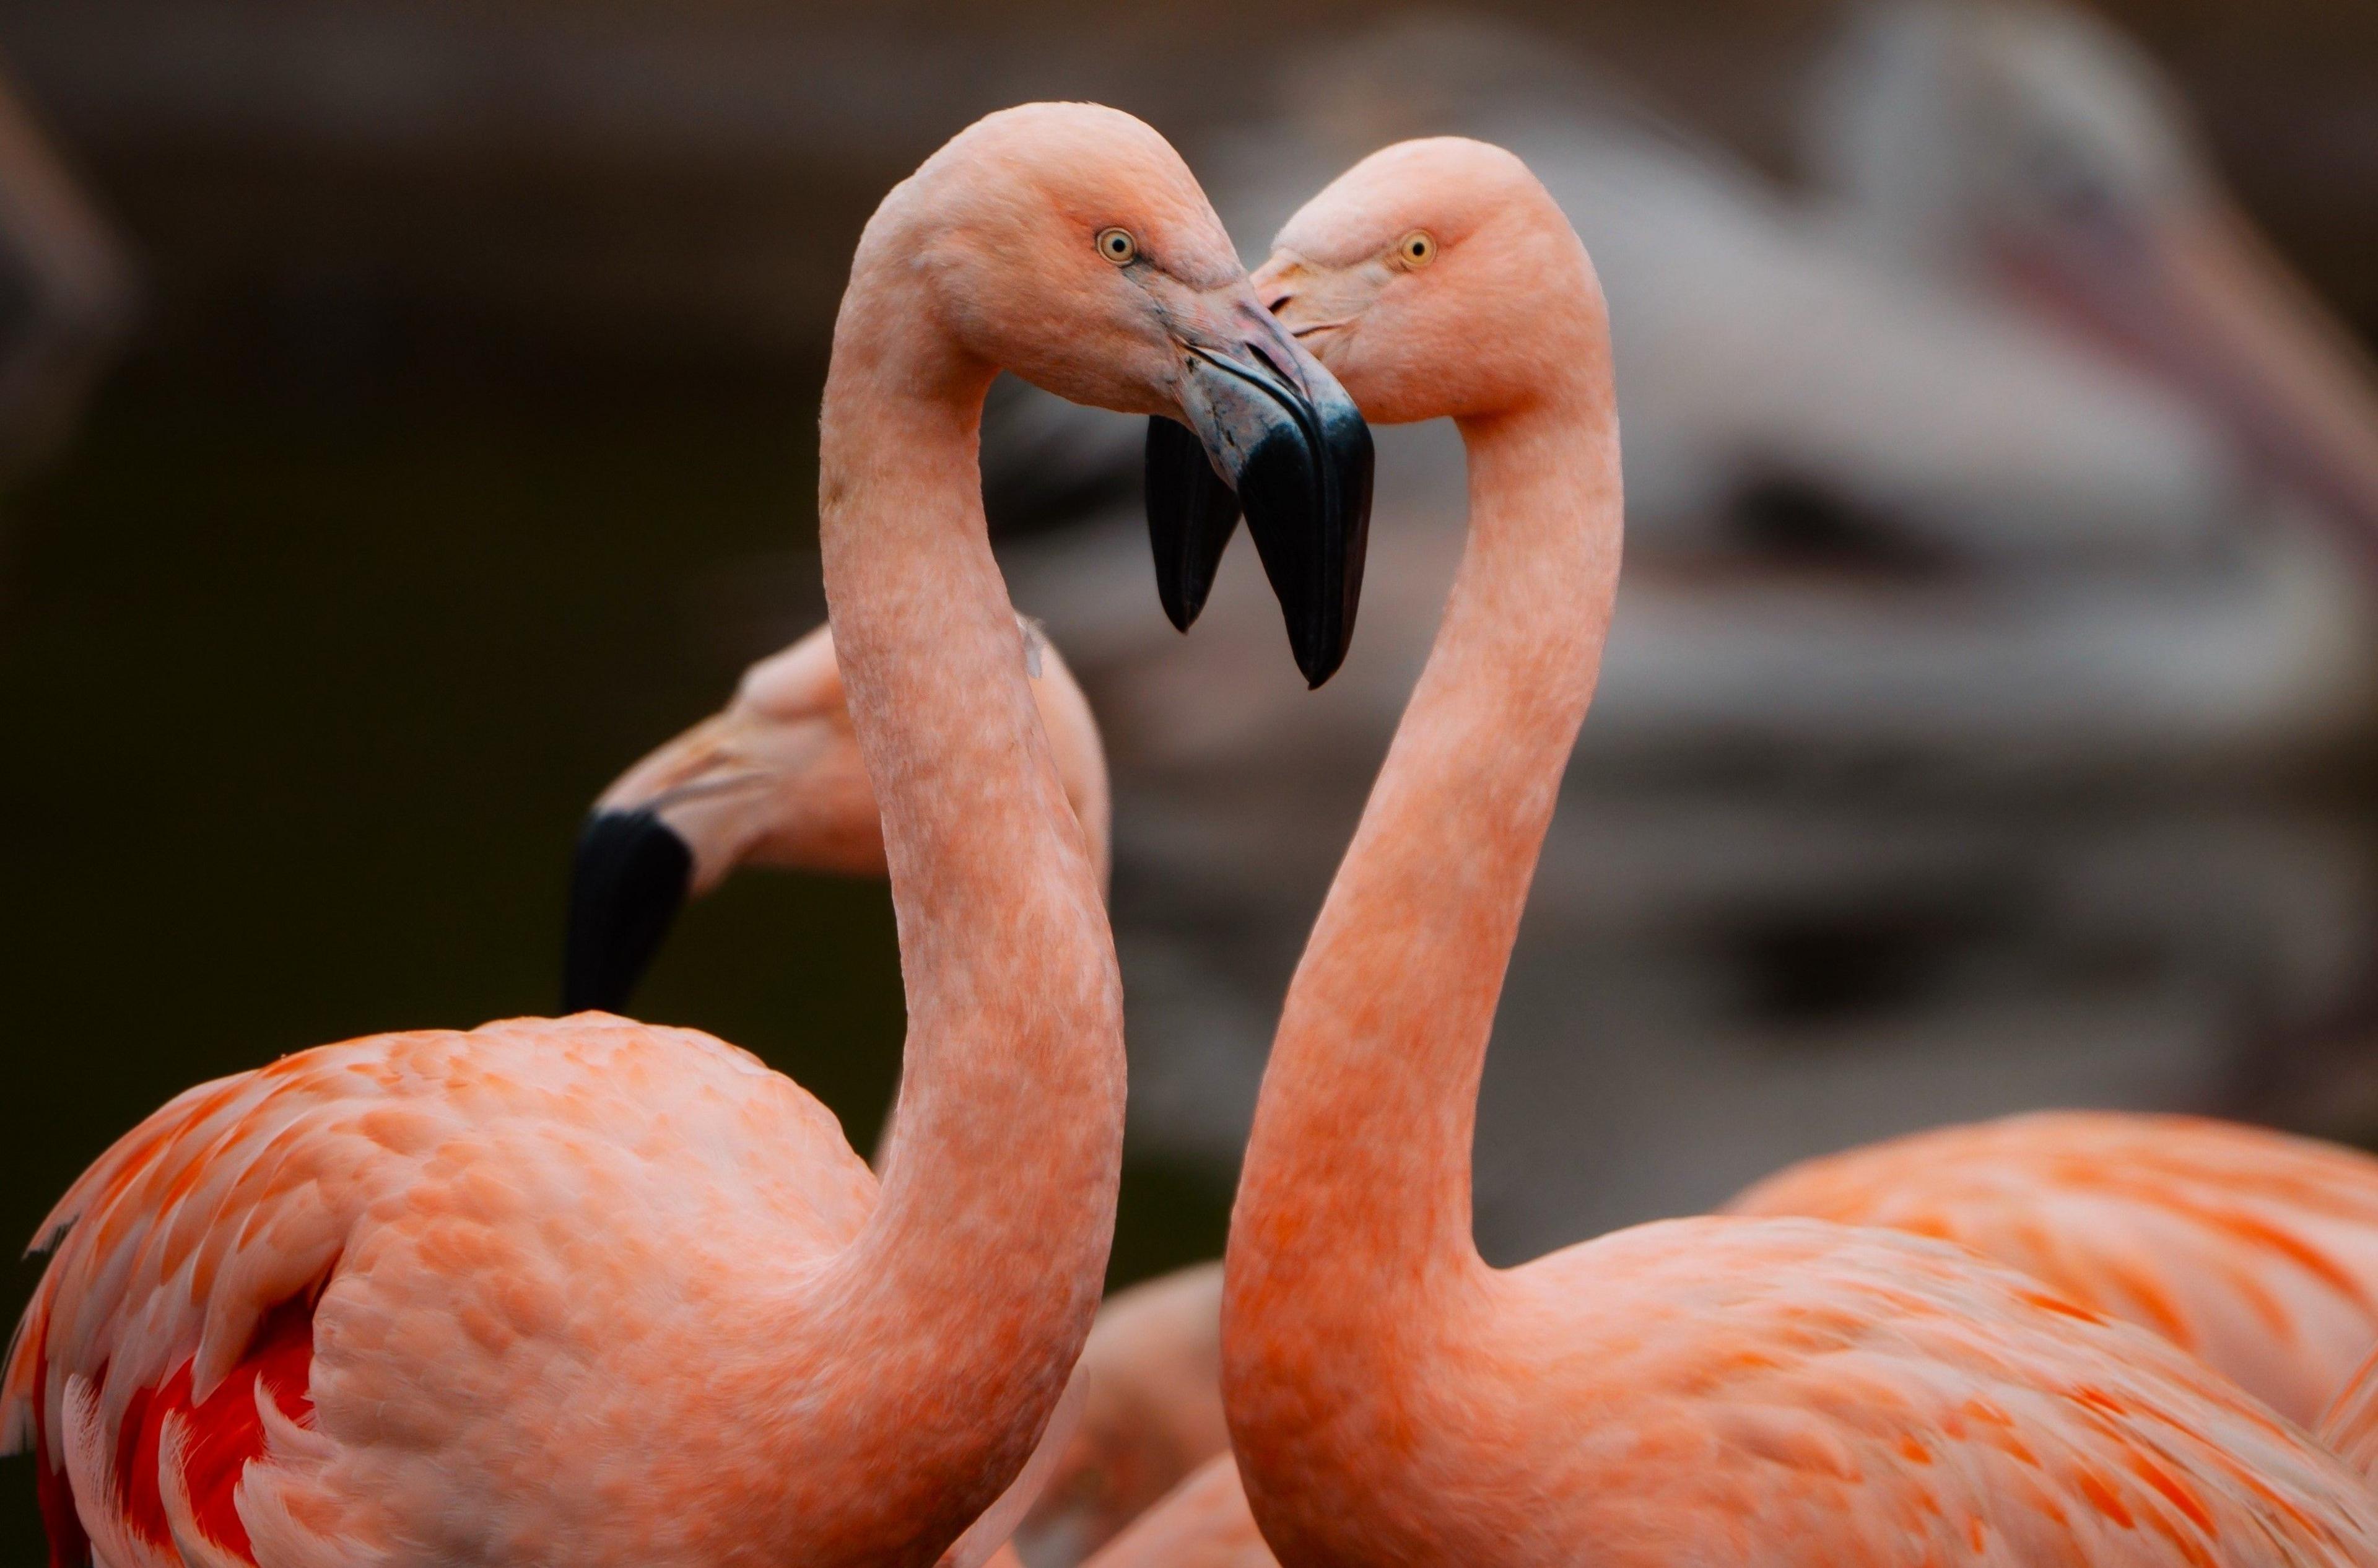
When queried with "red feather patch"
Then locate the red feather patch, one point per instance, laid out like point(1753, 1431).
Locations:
point(69, 1547)
point(225, 1433)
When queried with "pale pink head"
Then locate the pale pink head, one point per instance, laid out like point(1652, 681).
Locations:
point(2035, 144)
point(1437, 278)
point(774, 780)
point(1068, 245)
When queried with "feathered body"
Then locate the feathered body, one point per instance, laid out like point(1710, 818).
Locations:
point(2255, 1251)
point(548, 1266)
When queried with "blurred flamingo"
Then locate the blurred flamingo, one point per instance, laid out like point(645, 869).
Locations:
point(775, 780)
point(71, 294)
point(1202, 1522)
point(1717, 1390)
point(1151, 1413)
point(2032, 150)
point(592, 1292)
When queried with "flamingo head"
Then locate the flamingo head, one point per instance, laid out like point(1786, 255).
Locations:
point(2034, 147)
point(1438, 278)
point(1069, 245)
point(774, 779)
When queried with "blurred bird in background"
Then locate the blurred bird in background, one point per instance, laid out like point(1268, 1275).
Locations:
point(66, 292)
point(772, 780)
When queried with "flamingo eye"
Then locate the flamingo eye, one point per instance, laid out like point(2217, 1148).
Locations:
point(1416, 249)
point(1118, 246)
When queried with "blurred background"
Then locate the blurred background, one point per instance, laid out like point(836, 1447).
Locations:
point(407, 415)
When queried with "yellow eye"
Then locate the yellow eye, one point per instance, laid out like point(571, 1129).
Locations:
point(1416, 249)
point(1118, 246)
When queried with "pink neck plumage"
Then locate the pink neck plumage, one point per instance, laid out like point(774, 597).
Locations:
point(1351, 1239)
point(1012, 1089)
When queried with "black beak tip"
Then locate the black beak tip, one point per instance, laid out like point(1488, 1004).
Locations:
point(628, 879)
point(1309, 509)
point(1191, 516)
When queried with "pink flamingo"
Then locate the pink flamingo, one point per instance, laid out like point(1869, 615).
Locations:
point(2254, 1250)
point(774, 779)
point(1723, 1389)
point(590, 1292)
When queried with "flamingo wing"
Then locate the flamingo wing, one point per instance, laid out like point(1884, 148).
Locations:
point(225, 1208)
point(408, 1180)
point(2251, 1250)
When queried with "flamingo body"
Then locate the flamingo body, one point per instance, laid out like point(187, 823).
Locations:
point(2254, 1250)
point(1781, 1392)
point(1773, 1392)
point(530, 1257)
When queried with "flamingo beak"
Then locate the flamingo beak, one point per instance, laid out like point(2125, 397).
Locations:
point(1264, 429)
point(628, 879)
point(2197, 296)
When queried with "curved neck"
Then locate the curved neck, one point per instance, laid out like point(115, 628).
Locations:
point(1353, 1227)
point(980, 1267)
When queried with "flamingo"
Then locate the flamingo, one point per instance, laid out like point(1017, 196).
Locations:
point(590, 1292)
point(774, 778)
point(1719, 1389)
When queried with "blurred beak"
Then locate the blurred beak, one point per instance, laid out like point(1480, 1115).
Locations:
point(1269, 432)
point(668, 828)
point(2197, 294)
point(628, 880)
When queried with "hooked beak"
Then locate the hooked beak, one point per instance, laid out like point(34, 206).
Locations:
point(1270, 432)
point(628, 879)
point(2197, 294)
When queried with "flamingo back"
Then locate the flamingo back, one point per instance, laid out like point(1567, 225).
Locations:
point(1870, 1391)
point(2251, 1250)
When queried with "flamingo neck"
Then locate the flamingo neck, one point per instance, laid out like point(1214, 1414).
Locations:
point(982, 1264)
point(1350, 1253)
